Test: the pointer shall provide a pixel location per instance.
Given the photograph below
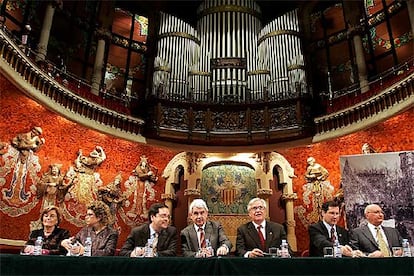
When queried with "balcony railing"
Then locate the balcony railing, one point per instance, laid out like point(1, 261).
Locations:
point(48, 87)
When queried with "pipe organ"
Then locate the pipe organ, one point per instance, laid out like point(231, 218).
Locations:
point(229, 57)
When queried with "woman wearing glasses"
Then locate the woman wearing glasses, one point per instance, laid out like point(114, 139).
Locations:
point(102, 235)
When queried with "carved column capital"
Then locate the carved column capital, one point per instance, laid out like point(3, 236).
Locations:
point(168, 196)
point(102, 33)
point(354, 30)
point(264, 193)
point(292, 196)
point(192, 192)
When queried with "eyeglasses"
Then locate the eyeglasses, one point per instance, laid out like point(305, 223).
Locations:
point(376, 212)
point(255, 208)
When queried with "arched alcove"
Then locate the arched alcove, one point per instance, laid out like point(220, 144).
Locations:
point(227, 182)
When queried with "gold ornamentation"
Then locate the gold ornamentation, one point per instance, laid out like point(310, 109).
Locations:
point(199, 73)
point(229, 8)
point(258, 72)
point(182, 35)
point(163, 69)
point(277, 33)
point(296, 67)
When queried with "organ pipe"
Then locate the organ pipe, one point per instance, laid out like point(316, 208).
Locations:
point(229, 56)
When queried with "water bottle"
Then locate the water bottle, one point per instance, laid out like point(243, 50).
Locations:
point(406, 248)
point(209, 247)
point(337, 250)
point(149, 252)
point(38, 246)
point(284, 249)
point(88, 247)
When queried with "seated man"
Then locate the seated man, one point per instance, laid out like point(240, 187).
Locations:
point(373, 239)
point(194, 237)
point(158, 229)
point(325, 232)
point(250, 242)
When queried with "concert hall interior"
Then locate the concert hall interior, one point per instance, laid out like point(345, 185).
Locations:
point(224, 100)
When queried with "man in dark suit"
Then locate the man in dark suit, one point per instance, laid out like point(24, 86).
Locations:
point(195, 236)
point(373, 239)
point(250, 242)
point(325, 232)
point(158, 229)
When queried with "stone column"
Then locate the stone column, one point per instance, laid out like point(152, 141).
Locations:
point(289, 197)
point(168, 199)
point(410, 7)
point(360, 61)
point(353, 15)
point(101, 35)
point(45, 32)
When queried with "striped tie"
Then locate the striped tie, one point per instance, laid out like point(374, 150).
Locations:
point(333, 237)
point(202, 240)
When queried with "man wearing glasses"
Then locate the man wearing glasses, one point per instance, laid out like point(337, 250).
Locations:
point(256, 237)
point(373, 239)
point(163, 236)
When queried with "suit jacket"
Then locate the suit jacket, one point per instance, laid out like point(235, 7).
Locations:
point(248, 237)
point(319, 238)
point(167, 240)
point(213, 231)
point(362, 239)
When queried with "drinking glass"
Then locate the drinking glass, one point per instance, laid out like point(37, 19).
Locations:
point(397, 251)
point(328, 252)
point(273, 252)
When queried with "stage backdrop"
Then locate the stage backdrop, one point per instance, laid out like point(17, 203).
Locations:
point(386, 179)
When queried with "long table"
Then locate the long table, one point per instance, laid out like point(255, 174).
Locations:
point(62, 265)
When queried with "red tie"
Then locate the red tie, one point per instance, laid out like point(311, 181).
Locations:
point(262, 240)
point(333, 237)
point(202, 240)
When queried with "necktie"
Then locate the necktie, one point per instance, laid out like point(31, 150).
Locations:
point(333, 237)
point(202, 240)
point(262, 240)
point(381, 243)
point(155, 242)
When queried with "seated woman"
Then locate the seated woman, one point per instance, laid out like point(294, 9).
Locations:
point(50, 232)
point(103, 236)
